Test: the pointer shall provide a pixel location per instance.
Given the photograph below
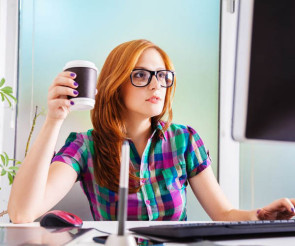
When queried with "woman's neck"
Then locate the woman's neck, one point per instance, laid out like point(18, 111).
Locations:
point(138, 129)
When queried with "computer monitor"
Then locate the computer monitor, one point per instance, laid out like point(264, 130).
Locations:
point(264, 93)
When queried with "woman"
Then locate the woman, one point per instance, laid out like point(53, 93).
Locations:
point(135, 90)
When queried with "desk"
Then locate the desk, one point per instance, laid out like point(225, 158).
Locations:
point(111, 227)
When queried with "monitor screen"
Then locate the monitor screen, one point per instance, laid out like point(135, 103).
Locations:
point(264, 100)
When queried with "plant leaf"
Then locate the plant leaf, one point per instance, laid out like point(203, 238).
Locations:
point(7, 100)
point(2, 82)
point(7, 89)
point(16, 161)
point(3, 159)
point(6, 159)
point(2, 96)
point(13, 168)
point(14, 99)
point(3, 172)
point(10, 177)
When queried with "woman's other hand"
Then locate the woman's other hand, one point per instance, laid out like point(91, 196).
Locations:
point(282, 209)
point(63, 86)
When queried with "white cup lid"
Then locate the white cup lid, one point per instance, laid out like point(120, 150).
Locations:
point(80, 63)
point(82, 103)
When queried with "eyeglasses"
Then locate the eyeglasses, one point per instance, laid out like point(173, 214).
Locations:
point(142, 77)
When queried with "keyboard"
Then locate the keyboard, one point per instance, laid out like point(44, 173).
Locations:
point(219, 230)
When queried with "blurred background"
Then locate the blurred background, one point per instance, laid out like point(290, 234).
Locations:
point(54, 32)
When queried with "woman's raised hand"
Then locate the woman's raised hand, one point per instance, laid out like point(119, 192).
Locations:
point(282, 209)
point(58, 103)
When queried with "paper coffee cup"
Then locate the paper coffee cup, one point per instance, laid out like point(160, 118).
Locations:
point(86, 72)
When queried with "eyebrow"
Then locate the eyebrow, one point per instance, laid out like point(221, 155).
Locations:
point(161, 68)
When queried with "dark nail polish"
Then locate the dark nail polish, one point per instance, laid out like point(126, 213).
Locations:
point(76, 84)
point(73, 74)
point(292, 210)
point(72, 103)
point(76, 92)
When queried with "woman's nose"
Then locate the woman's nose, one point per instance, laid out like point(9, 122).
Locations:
point(154, 84)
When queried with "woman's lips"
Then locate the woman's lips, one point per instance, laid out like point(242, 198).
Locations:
point(154, 99)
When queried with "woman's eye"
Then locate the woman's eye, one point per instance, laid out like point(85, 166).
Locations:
point(140, 75)
point(161, 75)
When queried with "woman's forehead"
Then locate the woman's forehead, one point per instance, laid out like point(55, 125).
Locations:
point(150, 59)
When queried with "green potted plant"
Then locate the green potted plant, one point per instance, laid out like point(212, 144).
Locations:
point(6, 164)
point(6, 93)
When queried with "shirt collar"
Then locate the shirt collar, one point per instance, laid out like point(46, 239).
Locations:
point(159, 127)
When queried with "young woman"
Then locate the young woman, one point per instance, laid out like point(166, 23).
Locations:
point(135, 90)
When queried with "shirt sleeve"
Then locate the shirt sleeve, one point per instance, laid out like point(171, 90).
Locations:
point(197, 157)
point(73, 153)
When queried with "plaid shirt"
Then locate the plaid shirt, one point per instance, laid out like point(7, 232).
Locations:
point(164, 170)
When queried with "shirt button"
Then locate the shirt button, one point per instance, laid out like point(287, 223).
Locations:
point(147, 202)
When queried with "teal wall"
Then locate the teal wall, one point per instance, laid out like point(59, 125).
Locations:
point(56, 31)
point(266, 173)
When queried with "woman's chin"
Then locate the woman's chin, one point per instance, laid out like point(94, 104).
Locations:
point(155, 114)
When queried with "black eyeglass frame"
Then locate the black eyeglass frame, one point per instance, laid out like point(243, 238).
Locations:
point(152, 73)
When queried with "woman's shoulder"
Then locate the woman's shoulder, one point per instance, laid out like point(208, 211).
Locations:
point(180, 128)
point(80, 136)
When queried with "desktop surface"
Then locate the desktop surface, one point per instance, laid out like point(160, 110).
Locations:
point(103, 228)
point(19, 235)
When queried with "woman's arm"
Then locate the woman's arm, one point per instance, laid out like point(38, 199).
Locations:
point(38, 185)
point(34, 188)
point(213, 200)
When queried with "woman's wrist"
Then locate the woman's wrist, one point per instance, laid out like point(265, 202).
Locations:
point(252, 214)
point(53, 122)
point(257, 213)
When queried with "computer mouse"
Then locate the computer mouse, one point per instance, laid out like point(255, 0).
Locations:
point(58, 218)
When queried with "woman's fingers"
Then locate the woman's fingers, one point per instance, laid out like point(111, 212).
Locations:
point(65, 79)
point(68, 74)
point(283, 205)
point(292, 200)
point(58, 91)
point(64, 85)
point(286, 202)
point(279, 209)
point(60, 103)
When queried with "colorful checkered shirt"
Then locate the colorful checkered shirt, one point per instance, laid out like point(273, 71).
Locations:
point(164, 170)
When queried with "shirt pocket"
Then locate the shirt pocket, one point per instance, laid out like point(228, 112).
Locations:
point(175, 177)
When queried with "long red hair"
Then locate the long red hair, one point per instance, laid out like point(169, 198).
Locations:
point(107, 119)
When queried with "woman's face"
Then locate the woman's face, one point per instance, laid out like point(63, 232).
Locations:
point(148, 101)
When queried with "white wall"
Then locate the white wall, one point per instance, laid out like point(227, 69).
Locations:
point(228, 149)
point(8, 70)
